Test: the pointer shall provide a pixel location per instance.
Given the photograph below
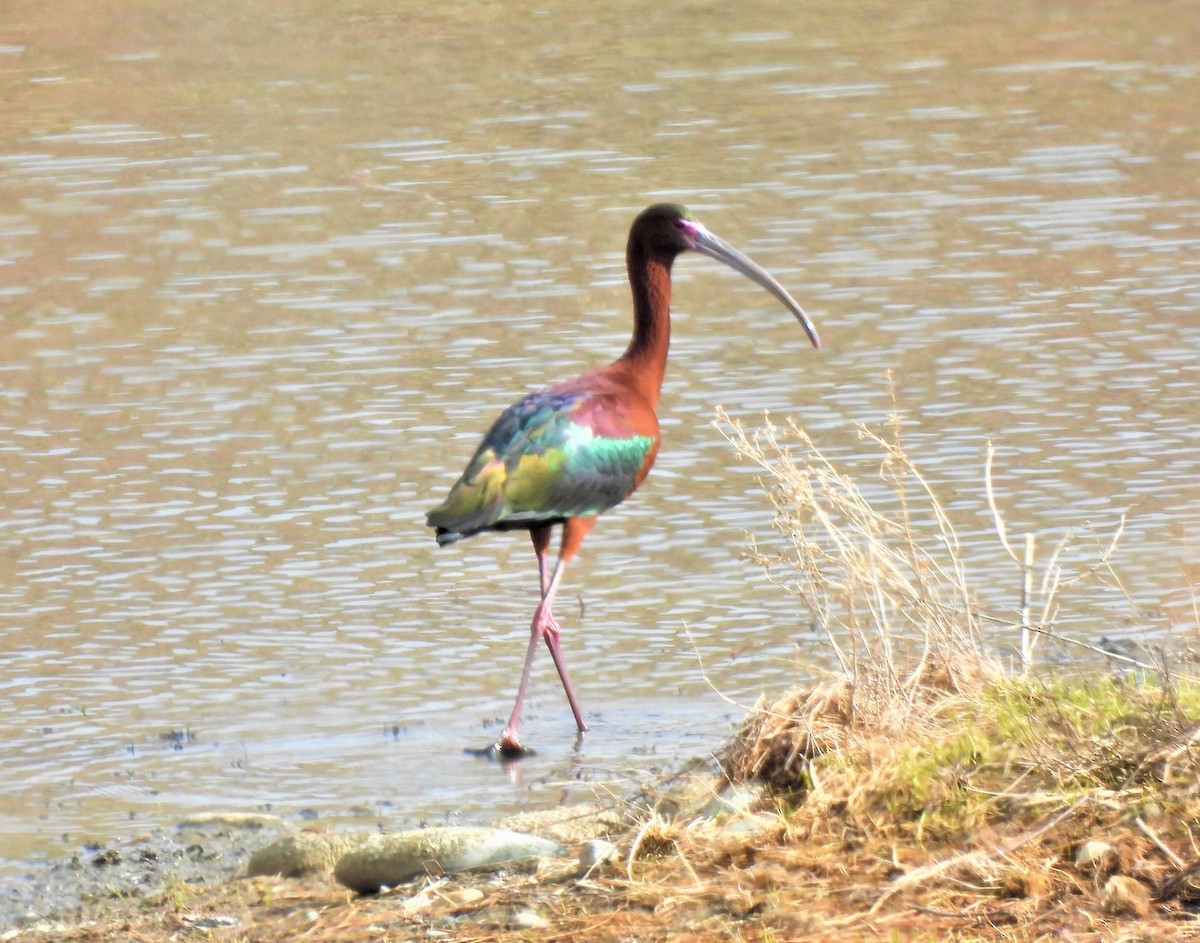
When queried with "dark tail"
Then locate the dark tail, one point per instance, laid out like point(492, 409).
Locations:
point(445, 536)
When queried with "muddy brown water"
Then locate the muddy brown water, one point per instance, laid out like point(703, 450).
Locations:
point(267, 271)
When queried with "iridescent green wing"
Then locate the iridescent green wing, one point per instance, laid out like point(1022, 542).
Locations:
point(541, 462)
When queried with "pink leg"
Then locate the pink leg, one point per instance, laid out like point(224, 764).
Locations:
point(544, 626)
point(550, 632)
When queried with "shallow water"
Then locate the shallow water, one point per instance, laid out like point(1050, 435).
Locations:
point(268, 272)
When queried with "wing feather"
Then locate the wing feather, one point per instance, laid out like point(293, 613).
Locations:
point(542, 462)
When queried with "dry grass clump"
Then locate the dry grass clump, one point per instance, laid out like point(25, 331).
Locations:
point(921, 748)
point(881, 573)
point(882, 576)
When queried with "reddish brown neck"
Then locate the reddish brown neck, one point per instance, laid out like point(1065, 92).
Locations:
point(645, 359)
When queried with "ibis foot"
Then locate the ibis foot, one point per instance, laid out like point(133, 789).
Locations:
point(504, 749)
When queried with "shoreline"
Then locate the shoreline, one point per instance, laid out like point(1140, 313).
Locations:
point(822, 824)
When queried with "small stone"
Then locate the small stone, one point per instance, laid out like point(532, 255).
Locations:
point(1125, 897)
point(212, 922)
point(596, 852)
point(1095, 855)
point(750, 824)
point(233, 819)
point(527, 920)
point(736, 799)
point(107, 857)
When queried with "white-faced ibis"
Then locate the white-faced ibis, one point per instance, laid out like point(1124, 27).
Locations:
point(567, 453)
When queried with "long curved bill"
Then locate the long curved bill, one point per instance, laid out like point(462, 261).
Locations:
point(717, 248)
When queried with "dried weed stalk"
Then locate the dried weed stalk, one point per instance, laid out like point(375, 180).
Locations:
point(884, 580)
point(880, 569)
point(883, 577)
point(921, 739)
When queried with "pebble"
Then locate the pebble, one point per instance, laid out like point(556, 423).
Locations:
point(233, 819)
point(212, 922)
point(750, 824)
point(736, 799)
point(527, 920)
point(1125, 897)
point(388, 860)
point(596, 852)
point(1095, 855)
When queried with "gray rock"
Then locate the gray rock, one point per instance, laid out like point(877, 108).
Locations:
point(596, 852)
point(1096, 855)
point(233, 820)
point(751, 824)
point(736, 799)
point(302, 853)
point(575, 823)
point(1124, 896)
point(388, 860)
point(212, 922)
point(731, 810)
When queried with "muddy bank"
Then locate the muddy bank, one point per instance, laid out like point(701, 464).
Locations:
point(204, 854)
point(202, 850)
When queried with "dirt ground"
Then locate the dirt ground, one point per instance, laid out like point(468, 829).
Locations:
point(785, 881)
